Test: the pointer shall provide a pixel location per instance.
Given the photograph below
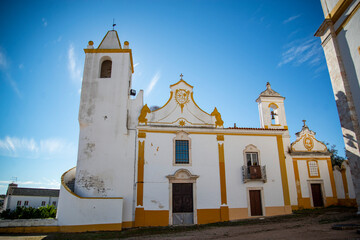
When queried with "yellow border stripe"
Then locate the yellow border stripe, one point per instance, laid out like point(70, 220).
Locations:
point(222, 173)
point(140, 180)
point(331, 175)
point(347, 19)
point(284, 178)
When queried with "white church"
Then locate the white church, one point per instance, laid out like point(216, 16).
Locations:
point(178, 164)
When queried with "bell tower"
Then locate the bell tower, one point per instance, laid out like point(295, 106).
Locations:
point(271, 109)
point(107, 118)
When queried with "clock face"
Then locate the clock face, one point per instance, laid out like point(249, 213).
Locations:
point(181, 96)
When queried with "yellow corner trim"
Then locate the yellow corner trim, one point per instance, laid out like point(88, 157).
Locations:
point(284, 178)
point(140, 177)
point(220, 137)
point(141, 135)
point(332, 180)
point(338, 10)
point(112, 51)
point(222, 173)
point(74, 194)
point(286, 127)
point(347, 19)
point(219, 122)
point(345, 183)
point(297, 181)
point(144, 111)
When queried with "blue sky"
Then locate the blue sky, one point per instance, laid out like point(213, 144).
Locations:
point(227, 50)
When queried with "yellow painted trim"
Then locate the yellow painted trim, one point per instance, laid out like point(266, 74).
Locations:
point(205, 216)
point(219, 122)
point(224, 213)
point(308, 168)
point(220, 137)
point(345, 183)
point(77, 196)
point(171, 94)
point(331, 175)
point(304, 203)
point(222, 173)
point(181, 80)
point(266, 127)
point(143, 113)
point(297, 181)
point(286, 127)
point(330, 201)
point(338, 10)
point(273, 104)
point(275, 124)
point(313, 139)
point(140, 179)
point(238, 213)
point(129, 224)
point(274, 211)
point(192, 98)
point(348, 18)
point(156, 217)
point(347, 202)
point(312, 157)
point(112, 51)
point(68, 228)
point(139, 217)
point(141, 135)
point(211, 133)
point(284, 178)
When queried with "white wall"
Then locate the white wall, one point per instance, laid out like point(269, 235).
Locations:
point(34, 201)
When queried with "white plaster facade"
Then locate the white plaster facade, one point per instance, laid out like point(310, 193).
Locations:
point(128, 170)
point(340, 40)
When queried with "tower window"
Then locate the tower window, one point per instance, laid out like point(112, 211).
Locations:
point(274, 114)
point(106, 69)
point(313, 169)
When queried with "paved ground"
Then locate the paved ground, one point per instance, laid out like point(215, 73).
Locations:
point(309, 224)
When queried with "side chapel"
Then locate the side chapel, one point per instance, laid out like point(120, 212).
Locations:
point(178, 164)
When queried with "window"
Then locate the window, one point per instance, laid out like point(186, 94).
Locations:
point(313, 169)
point(181, 151)
point(54, 203)
point(26, 203)
point(43, 203)
point(252, 159)
point(105, 71)
point(18, 203)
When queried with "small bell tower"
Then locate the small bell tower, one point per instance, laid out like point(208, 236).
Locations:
point(271, 109)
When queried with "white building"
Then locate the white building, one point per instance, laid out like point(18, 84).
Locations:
point(178, 164)
point(29, 197)
point(340, 39)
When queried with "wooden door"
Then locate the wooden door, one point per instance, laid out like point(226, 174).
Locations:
point(255, 203)
point(182, 203)
point(317, 195)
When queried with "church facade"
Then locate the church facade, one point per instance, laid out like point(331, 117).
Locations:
point(178, 164)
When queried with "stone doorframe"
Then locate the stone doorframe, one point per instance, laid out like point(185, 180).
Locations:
point(316, 181)
point(182, 176)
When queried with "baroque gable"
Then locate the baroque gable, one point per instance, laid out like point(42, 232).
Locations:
point(306, 141)
point(180, 110)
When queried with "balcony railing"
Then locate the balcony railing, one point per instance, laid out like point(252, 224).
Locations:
point(254, 173)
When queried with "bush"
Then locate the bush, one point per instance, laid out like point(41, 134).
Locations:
point(30, 212)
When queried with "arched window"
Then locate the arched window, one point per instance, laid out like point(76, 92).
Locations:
point(313, 168)
point(105, 71)
point(274, 114)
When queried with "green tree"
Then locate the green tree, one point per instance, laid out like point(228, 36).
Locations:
point(335, 158)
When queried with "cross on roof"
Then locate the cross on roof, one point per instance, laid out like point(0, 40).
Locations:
point(181, 75)
point(304, 121)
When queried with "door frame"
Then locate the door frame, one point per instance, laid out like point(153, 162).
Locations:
point(317, 181)
point(182, 176)
point(261, 189)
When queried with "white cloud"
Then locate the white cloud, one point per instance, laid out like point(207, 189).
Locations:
point(291, 19)
point(136, 64)
point(44, 22)
point(44, 183)
point(302, 51)
point(29, 148)
point(152, 83)
point(4, 67)
point(73, 65)
point(21, 66)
